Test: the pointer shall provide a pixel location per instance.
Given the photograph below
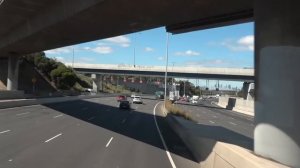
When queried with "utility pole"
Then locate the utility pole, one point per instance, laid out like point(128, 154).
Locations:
point(166, 72)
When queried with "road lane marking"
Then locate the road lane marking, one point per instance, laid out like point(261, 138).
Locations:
point(53, 137)
point(211, 122)
point(58, 116)
point(10, 160)
point(109, 141)
point(124, 120)
point(162, 138)
point(91, 118)
point(2, 132)
point(22, 114)
point(232, 123)
point(19, 107)
point(215, 116)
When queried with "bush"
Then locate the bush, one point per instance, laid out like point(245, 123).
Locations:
point(171, 108)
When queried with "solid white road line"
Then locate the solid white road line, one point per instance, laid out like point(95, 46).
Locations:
point(162, 138)
point(2, 132)
point(109, 141)
point(58, 116)
point(53, 137)
point(211, 122)
point(22, 113)
point(232, 123)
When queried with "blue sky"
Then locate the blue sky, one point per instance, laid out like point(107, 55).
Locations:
point(230, 46)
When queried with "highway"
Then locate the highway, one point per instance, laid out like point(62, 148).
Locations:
point(89, 133)
point(237, 125)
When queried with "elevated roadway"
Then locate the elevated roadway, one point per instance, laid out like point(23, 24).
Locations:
point(238, 74)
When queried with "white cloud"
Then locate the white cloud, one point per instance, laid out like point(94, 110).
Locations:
point(122, 41)
point(187, 53)
point(149, 49)
point(103, 50)
point(59, 58)
point(161, 58)
point(245, 43)
point(87, 48)
point(62, 50)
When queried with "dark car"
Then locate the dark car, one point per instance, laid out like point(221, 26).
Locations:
point(121, 98)
point(124, 104)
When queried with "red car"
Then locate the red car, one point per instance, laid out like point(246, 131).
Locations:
point(121, 98)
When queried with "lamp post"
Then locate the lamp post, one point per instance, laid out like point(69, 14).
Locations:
point(166, 72)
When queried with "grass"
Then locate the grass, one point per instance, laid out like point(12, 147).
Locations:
point(173, 109)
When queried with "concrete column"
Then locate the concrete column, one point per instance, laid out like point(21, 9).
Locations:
point(13, 72)
point(94, 77)
point(277, 87)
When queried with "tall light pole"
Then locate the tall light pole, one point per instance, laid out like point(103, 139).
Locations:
point(166, 72)
point(72, 57)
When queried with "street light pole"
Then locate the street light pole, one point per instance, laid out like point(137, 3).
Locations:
point(73, 58)
point(166, 72)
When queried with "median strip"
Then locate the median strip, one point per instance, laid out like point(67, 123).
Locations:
point(53, 137)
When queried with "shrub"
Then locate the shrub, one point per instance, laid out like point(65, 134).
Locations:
point(171, 108)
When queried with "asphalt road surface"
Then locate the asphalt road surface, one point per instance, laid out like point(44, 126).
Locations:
point(88, 134)
point(205, 112)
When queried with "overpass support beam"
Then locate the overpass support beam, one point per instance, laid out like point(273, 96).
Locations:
point(277, 67)
point(13, 72)
point(248, 88)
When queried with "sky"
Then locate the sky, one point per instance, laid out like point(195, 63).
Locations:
point(229, 46)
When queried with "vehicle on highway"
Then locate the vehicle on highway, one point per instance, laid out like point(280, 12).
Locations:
point(124, 104)
point(159, 95)
point(121, 97)
point(137, 100)
point(132, 95)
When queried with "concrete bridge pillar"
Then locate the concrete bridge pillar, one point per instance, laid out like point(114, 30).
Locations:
point(13, 72)
point(248, 89)
point(277, 87)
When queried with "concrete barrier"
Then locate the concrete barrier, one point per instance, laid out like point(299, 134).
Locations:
point(5, 94)
point(237, 104)
point(211, 153)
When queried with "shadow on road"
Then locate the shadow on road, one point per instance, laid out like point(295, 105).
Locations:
point(140, 126)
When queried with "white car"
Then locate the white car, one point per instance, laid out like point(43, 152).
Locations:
point(132, 95)
point(137, 99)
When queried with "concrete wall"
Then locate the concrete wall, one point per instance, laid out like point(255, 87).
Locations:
point(211, 153)
point(240, 105)
point(27, 72)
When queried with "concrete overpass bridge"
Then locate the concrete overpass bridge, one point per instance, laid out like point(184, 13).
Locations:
point(36, 25)
point(232, 74)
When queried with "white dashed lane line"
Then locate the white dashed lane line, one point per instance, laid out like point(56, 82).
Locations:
point(91, 118)
point(53, 137)
point(22, 113)
point(109, 141)
point(58, 116)
point(232, 123)
point(124, 120)
point(2, 132)
point(211, 122)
